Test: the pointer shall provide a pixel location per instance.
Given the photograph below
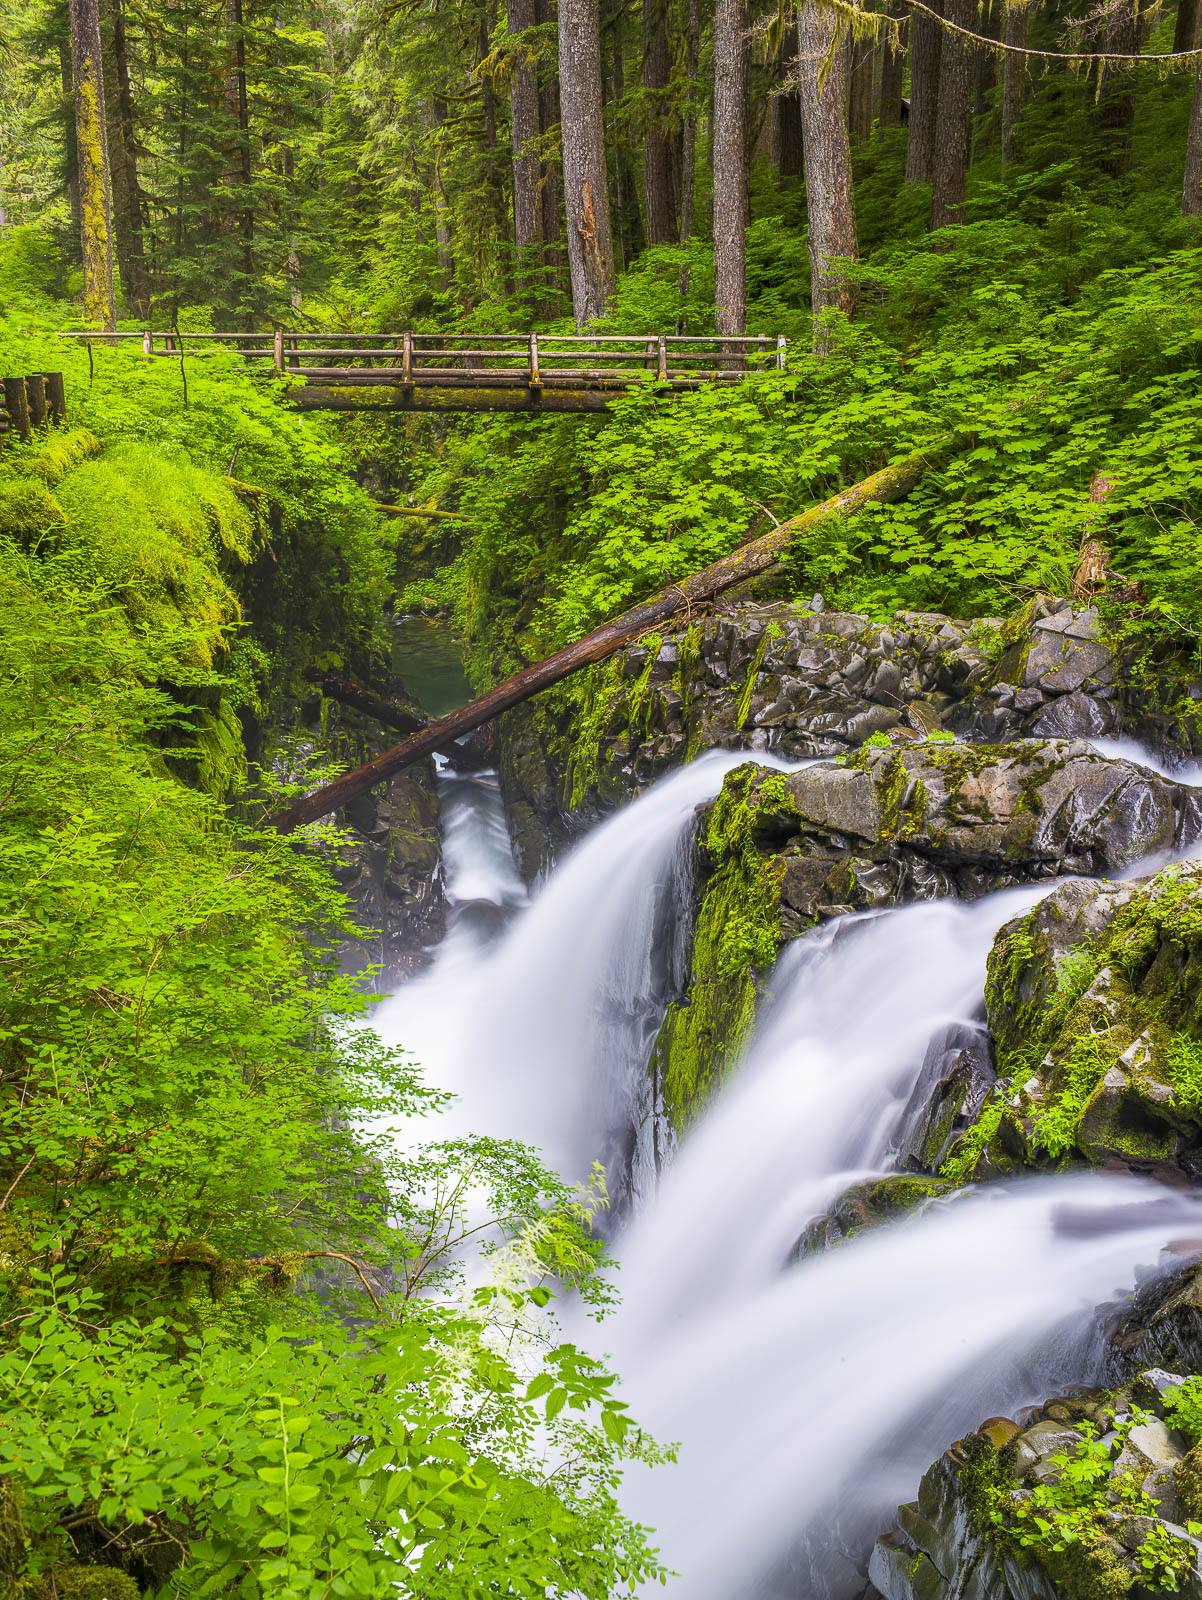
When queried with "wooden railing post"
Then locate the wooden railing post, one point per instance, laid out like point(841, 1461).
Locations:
point(169, 343)
point(17, 406)
point(147, 343)
point(534, 381)
point(663, 359)
point(407, 360)
point(35, 395)
point(293, 347)
point(781, 346)
point(277, 349)
point(56, 394)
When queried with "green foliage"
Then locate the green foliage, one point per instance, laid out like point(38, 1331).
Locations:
point(1067, 1524)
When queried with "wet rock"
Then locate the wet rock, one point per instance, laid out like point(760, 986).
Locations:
point(1094, 999)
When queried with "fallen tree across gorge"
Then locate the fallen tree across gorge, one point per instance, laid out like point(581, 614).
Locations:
point(893, 482)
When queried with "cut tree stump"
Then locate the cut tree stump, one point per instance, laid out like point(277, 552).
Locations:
point(893, 482)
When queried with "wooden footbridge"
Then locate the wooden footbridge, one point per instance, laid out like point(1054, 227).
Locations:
point(535, 372)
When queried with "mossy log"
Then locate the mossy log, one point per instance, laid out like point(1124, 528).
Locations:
point(893, 482)
point(401, 718)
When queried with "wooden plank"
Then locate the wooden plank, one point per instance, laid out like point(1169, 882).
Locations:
point(385, 398)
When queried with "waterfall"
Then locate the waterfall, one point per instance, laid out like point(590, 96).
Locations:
point(807, 1396)
point(544, 1034)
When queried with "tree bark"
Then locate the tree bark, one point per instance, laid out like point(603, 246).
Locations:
point(860, 85)
point(72, 144)
point(548, 121)
point(95, 192)
point(401, 718)
point(926, 53)
point(586, 193)
point(1116, 94)
point(625, 189)
point(1014, 76)
point(524, 121)
point(893, 483)
point(1093, 558)
point(991, 25)
point(658, 176)
point(1185, 25)
point(688, 151)
point(786, 108)
point(730, 168)
point(829, 198)
point(240, 109)
point(123, 165)
point(953, 119)
point(893, 67)
point(1191, 194)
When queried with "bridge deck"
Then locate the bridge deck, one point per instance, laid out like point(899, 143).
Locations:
point(474, 372)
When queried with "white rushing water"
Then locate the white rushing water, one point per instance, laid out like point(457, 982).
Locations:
point(544, 1034)
point(807, 1397)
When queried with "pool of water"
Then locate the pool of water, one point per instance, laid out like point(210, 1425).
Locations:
point(428, 656)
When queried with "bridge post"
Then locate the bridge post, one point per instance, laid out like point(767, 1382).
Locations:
point(148, 343)
point(56, 394)
point(17, 407)
point(534, 381)
point(407, 361)
point(35, 394)
point(781, 345)
point(663, 359)
point(277, 353)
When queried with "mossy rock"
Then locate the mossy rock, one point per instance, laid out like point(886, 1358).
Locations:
point(1095, 1002)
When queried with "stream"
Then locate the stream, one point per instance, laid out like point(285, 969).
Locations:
point(807, 1395)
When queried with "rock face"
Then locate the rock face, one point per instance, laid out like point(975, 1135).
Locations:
point(916, 821)
point(988, 1520)
point(813, 683)
point(391, 867)
point(1095, 1004)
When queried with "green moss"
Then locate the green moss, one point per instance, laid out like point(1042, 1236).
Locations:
point(753, 672)
point(736, 938)
point(56, 454)
point(28, 511)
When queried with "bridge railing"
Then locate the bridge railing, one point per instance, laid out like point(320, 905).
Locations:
point(533, 359)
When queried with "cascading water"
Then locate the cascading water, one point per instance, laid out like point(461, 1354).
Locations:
point(544, 1036)
point(808, 1396)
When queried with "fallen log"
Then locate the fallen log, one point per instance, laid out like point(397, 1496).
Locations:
point(468, 758)
point(893, 482)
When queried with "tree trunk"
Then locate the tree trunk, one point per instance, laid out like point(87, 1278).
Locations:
point(95, 192)
point(1093, 558)
point(1191, 194)
point(493, 165)
point(442, 210)
point(1014, 75)
point(894, 483)
point(1116, 94)
point(991, 25)
point(548, 121)
point(860, 85)
point(688, 150)
point(524, 121)
point(893, 67)
point(787, 111)
point(72, 143)
point(926, 54)
point(1185, 26)
point(659, 185)
point(586, 195)
point(953, 119)
point(730, 168)
point(631, 238)
point(123, 165)
point(829, 198)
point(239, 111)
